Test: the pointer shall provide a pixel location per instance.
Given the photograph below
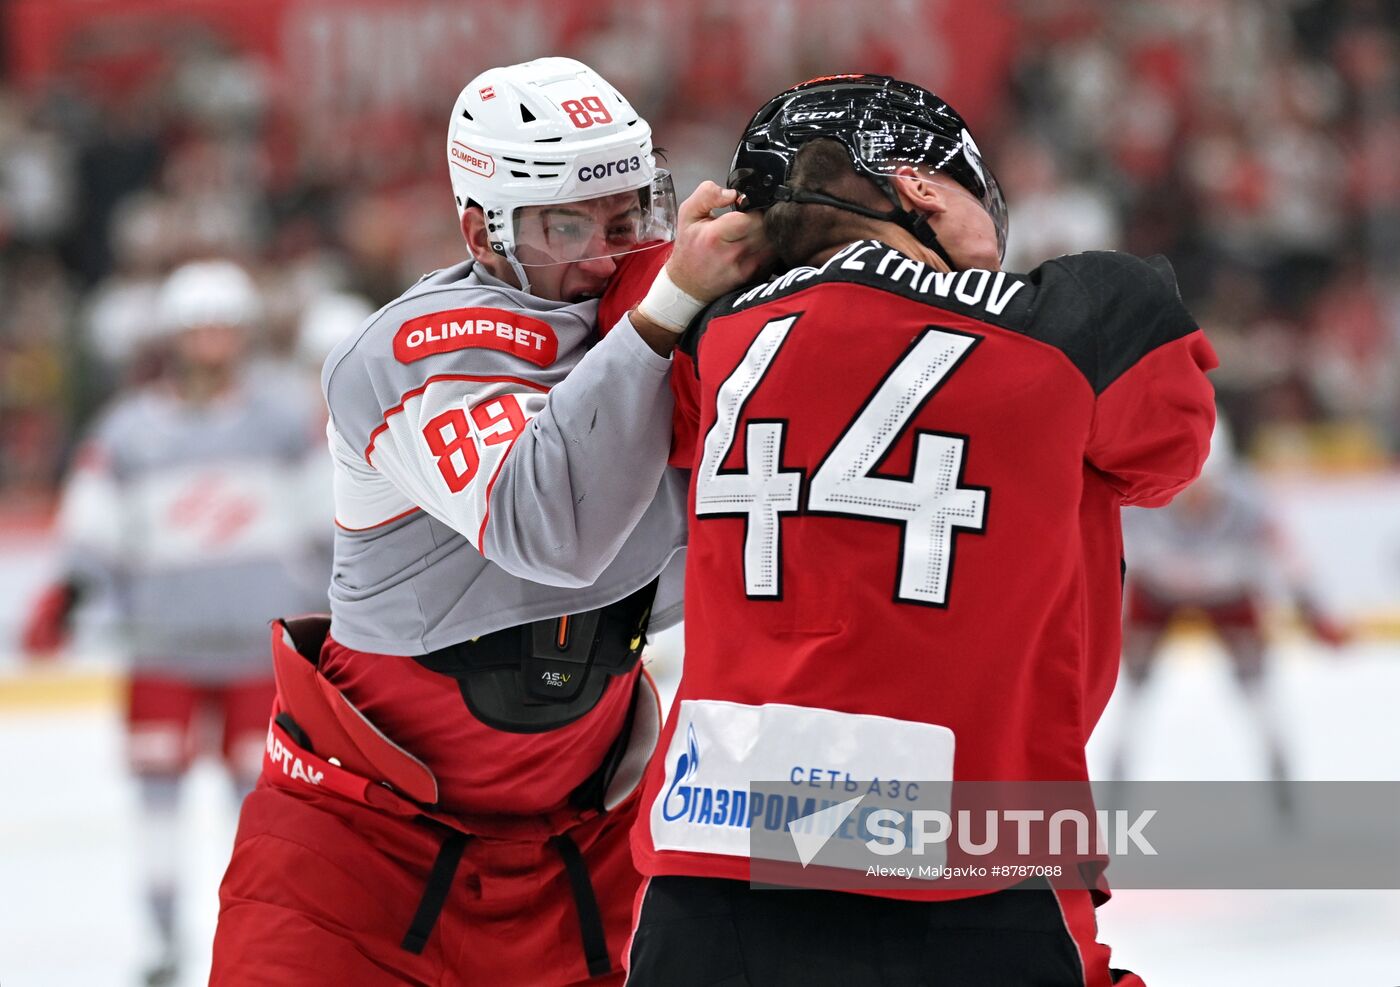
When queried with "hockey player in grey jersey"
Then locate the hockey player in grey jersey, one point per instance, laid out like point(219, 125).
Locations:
point(1216, 553)
point(185, 510)
point(466, 735)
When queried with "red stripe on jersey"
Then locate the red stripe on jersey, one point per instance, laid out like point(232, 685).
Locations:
point(378, 524)
point(435, 378)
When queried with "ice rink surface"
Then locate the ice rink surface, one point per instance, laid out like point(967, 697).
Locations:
point(71, 914)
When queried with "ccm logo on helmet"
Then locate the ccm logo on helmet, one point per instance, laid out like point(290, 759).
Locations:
point(477, 328)
point(620, 167)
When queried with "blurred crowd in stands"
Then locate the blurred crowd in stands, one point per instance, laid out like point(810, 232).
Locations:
point(1256, 143)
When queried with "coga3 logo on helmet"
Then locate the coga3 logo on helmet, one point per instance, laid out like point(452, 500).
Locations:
point(619, 167)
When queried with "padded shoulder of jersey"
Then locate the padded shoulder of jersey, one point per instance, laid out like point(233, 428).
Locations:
point(1106, 310)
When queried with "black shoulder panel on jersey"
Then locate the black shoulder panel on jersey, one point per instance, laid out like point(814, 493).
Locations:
point(1103, 310)
point(1126, 308)
point(689, 343)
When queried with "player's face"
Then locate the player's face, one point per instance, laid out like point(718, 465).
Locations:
point(966, 230)
point(570, 250)
point(210, 348)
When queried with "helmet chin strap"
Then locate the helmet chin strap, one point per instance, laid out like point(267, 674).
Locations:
point(496, 219)
point(916, 224)
point(519, 270)
point(508, 255)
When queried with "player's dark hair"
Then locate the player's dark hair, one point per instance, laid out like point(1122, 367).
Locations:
point(799, 231)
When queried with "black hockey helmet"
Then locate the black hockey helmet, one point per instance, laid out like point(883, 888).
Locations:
point(883, 123)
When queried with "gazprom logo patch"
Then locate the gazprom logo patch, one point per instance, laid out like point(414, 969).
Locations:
point(688, 801)
point(732, 773)
point(677, 799)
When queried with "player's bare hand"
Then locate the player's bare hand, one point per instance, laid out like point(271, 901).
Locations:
point(715, 254)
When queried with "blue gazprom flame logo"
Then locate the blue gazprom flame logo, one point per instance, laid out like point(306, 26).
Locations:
point(676, 802)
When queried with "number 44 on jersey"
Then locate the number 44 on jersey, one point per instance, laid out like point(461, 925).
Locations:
point(931, 505)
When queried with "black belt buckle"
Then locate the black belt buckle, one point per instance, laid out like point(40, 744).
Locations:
point(561, 652)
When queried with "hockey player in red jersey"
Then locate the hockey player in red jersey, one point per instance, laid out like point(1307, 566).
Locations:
point(904, 553)
point(452, 771)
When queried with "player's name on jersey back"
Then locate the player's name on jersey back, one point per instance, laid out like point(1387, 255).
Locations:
point(989, 290)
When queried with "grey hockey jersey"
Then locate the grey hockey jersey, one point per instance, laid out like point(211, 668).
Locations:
point(495, 463)
point(1211, 544)
point(199, 520)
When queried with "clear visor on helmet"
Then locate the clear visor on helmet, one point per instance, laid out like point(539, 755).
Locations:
point(604, 226)
point(886, 150)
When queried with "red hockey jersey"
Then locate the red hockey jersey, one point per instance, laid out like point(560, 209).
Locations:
point(904, 551)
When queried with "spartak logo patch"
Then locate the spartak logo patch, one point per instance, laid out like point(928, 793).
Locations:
point(519, 335)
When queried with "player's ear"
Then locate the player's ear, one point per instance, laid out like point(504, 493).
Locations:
point(474, 232)
point(919, 192)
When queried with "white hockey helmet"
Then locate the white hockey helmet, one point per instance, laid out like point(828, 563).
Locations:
point(207, 293)
point(554, 132)
point(325, 321)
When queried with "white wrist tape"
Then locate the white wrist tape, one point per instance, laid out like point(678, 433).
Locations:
point(667, 305)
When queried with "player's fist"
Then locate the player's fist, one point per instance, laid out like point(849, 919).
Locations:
point(46, 628)
point(716, 254)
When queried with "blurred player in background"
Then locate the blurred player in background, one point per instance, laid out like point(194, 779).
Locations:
point(1216, 554)
point(185, 509)
point(453, 767)
point(326, 320)
point(904, 548)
